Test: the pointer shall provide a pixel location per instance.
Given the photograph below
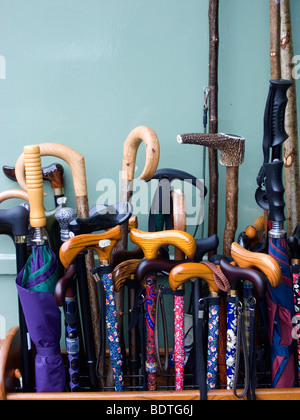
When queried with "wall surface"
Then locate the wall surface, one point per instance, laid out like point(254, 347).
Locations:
point(85, 74)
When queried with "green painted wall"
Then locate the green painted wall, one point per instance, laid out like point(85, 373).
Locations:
point(86, 73)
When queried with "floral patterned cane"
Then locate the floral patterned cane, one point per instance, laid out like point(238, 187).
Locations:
point(231, 338)
point(296, 287)
point(213, 341)
point(151, 363)
point(179, 353)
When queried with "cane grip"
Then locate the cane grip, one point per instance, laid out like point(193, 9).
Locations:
point(102, 243)
point(294, 243)
point(151, 242)
point(275, 191)
point(186, 271)
point(264, 262)
point(34, 183)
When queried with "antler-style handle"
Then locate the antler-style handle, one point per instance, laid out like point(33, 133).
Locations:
point(232, 147)
point(186, 271)
point(151, 242)
point(73, 158)
point(247, 259)
point(235, 274)
point(14, 193)
point(102, 243)
point(34, 183)
point(135, 138)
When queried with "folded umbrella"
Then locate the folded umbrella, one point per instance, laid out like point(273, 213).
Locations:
point(36, 283)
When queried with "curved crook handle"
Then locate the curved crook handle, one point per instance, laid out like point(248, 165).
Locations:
point(34, 183)
point(14, 193)
point(73, 158)
point(235, 274)
point(247, 259)
point(186, 271)
point(102, 243)
point(135, 138)
point(151, 242)
point(123, 271)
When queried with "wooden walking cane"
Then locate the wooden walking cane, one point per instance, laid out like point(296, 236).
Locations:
point(232, 149)
point(134, 139)
point(213, 16)
point(290, 146)
point(77, 164)
point(151, 242)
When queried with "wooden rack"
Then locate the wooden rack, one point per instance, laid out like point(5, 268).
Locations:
point(10, 368)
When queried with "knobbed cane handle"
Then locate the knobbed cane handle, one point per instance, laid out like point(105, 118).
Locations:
point(247, 259)
point(103, 243)
point(73, 158)
point(151, 242)
point(256, 230)
point(186, 271)
point(34, 183)
point(135, 138)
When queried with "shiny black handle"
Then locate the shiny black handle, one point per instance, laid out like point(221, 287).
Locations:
point(17, 218)
point(275, 191)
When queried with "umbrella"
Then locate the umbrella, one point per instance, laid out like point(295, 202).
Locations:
point(280, 301)
point(151, 242)
point(294, 245)
point(15, 220)
point(36, 283)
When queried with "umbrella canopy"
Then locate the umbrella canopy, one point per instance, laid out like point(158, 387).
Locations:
point(36, 284)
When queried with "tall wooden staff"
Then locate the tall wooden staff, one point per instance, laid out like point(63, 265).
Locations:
point(290, 146)
point(213, 16)
point(275, 39)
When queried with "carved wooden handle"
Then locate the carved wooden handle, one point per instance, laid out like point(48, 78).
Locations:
point(247, 259)
point(131, 145)
point(256, 230)
point(132, 222)
point(73, 158)
point(151, 242)
point(14, 193)
point(34, 182)
point(123, 271)
point(102, 243)
point(186, 271)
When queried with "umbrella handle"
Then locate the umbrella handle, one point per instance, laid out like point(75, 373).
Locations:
point(135, 138)
point(151, 242)
point(186, 271)
point(102, 243)
point(73, 158)
point(267, 264)
point(34, 182)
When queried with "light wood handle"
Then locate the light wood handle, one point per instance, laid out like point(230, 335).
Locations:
point(151, 242)
point(132, 222)
point(135, 138)
point(34, 182)
point(73, 246)
point(73, 158)
point(264, 262)
point(179, 218)
point(123, 271)
point(256, 229)
point(186, 271)
point(14, 193)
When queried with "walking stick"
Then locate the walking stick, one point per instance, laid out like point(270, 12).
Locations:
point(151, 242)
point(178, 276)
point(102, 244)
point(213, 16)
point(232, 150)
point(275, 39)
point(290, 147)
point(77, 165)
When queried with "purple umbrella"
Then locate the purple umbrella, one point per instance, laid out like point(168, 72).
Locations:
point(36, 284)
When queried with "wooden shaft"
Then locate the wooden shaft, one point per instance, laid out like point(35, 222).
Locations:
point(102, 243)
point(231, 220)
point(264, 262)
point(34, 183)
point(290, 146)
point(275, 39)
point(179, 218)
point(151, 242)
